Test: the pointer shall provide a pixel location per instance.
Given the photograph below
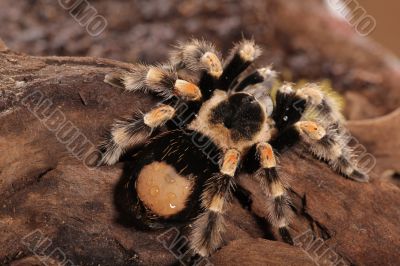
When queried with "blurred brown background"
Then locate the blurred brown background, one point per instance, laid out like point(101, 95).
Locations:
point(387, 30)
point(299, 48)
point(43, 27)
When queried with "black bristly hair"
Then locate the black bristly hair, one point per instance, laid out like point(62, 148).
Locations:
point(240, 58)
point(253, 78)
point(288, 109)
point(167, 147)
point(241, 113)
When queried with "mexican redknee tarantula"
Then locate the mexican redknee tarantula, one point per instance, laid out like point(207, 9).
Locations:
point(220, 120)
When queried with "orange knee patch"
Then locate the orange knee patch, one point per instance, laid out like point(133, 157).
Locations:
point(267, 157)
point(162, 189)
point(311, 129)
point(230, 163)
point(159, 115)
point(187, 90)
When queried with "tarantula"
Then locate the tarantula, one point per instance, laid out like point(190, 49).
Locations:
point(220, 120)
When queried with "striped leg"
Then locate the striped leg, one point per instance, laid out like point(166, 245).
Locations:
point(289, 107)
point(206, 235)
point(307, 103)
point(200, 58)
point(196, 56)
point(270, 181)
point(161, 80)
point(310, 102)
point(262, 77)
point(133, 132)
point(329, 144)
point(333, 149)
point(323, 104)
point(241, 56)
point(299, 131)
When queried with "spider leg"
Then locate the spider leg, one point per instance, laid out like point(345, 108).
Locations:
point(310, 102)
point(333, 147)
point(209, 225)
point(289, 107)
point(262, 77)
point(197, 56)
point(328, 144)
point(132, 132)
point(161, 80)
point(241, 56)
point(201, 58)
point(320, 103)
point(275, 188)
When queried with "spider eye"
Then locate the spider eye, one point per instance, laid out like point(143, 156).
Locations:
point(285, 118)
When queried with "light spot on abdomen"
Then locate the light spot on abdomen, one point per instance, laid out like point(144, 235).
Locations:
point(162, 189)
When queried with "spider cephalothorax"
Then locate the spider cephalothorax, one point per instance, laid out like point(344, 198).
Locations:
point(217, 125)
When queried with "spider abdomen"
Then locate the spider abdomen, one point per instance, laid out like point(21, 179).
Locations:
point(162, 189)
point(168, 176)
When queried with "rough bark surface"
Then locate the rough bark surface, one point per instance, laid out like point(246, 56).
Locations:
point(48, 192)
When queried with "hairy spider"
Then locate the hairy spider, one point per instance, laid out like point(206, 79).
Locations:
point(220, 120)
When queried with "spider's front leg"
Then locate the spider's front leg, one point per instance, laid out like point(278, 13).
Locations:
point(273, 185)
point(333, 147)
point(310, 102)
point(209, 225)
